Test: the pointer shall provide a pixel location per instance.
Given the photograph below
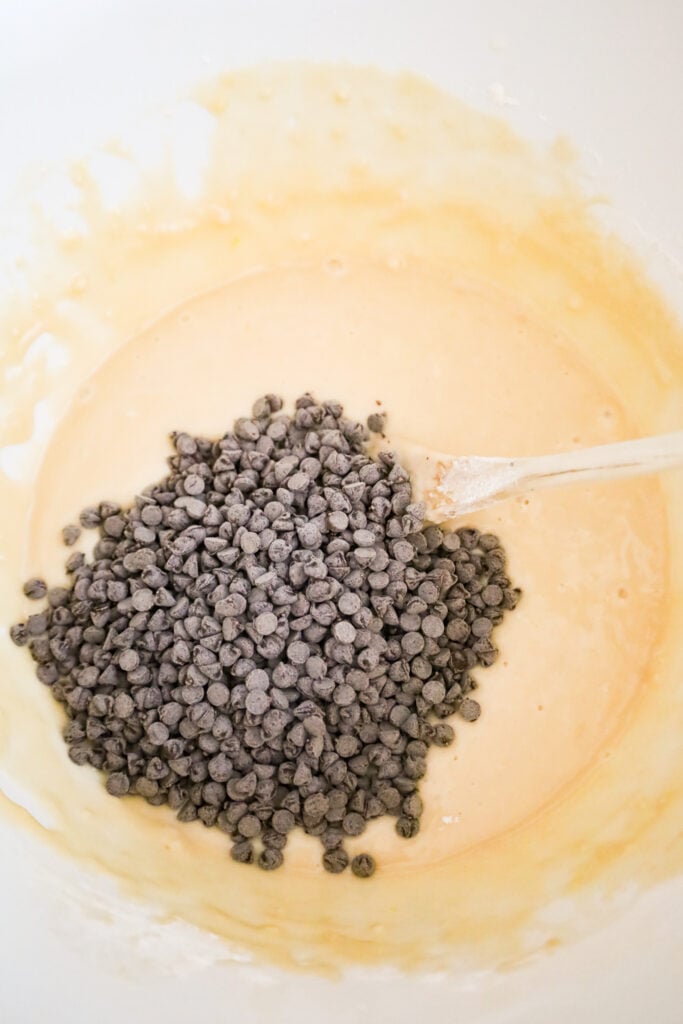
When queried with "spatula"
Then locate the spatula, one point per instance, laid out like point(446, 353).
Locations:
point(454, 486)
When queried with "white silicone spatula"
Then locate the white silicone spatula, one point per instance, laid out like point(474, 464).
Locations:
point(455, 486)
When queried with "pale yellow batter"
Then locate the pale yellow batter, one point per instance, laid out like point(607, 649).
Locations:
point(366, 238)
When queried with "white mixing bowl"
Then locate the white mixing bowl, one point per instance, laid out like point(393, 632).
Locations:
point(607, 75)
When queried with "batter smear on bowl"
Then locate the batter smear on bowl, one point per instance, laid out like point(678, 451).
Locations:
point(353, 231)
point(271, 637)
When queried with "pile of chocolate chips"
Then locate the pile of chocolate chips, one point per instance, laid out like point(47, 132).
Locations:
point(271, 637)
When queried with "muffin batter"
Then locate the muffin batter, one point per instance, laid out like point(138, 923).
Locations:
point(393, 248)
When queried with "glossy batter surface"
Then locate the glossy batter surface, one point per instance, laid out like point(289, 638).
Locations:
point(468, 294)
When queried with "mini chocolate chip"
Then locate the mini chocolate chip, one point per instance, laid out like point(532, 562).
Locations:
point(243, 852)
point(363, 865)
point(157, 733)
point(344, 632)
point(434, 691)
point(118, 784)
point(407, 828)
point(443, 734)
point(492, 595)
point(266, 623)
point(257, 702)
point(70, 534)
point(129, 660)
point(283, 821)
point(270, 858)
point(470, 710)
point(335, 860)
point(35, 589)
point(249, 826)
point(353, 824)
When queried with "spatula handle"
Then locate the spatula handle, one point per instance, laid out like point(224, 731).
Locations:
point(626, 458)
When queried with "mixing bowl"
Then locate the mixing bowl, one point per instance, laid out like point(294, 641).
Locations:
point(598, 89)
